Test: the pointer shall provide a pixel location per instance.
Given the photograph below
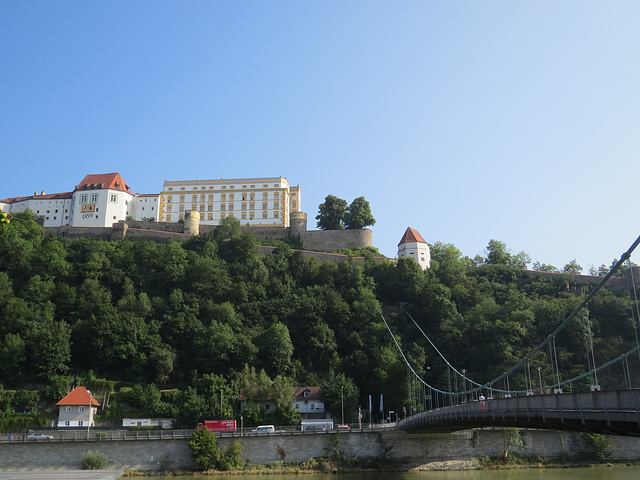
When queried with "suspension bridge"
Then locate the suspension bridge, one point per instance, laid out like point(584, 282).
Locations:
point(562, 401)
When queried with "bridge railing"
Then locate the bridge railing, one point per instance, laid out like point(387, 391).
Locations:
point(605, 403)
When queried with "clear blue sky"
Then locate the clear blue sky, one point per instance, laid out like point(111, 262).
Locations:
point(468, 120)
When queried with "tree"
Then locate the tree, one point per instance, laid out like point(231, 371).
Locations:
point(543, 267)
point(358, 214)
point(204, 449)
point(572, 268)
point(497, 253)
point(332, 213)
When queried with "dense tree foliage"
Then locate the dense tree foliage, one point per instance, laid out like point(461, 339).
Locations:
point(194, 330)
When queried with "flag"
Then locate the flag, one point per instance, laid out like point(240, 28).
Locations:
point(369, 405)
point(381, 407)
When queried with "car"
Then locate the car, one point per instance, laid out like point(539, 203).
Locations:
point(264, 429)
point(39, 436)
point(343, 427)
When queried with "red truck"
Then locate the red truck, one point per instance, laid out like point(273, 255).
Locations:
point(219, 425)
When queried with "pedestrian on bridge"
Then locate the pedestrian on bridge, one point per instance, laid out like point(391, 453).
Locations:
point(481, 400)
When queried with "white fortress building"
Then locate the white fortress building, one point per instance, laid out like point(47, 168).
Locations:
point(261, 201)
point(413, 246)
point(101, 200)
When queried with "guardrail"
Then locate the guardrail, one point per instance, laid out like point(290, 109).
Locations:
point(120, 434)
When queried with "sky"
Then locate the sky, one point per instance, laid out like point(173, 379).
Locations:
point(468, 121)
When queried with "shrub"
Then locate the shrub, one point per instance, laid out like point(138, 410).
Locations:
point(94, 461)
point(599, 447)
point(204, 449)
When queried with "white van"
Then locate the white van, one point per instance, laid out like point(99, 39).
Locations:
point(264, 429)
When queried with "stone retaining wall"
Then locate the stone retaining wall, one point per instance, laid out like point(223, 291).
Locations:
point(410, 449)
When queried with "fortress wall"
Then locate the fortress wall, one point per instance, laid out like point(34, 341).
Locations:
point(330, 240)
point(158, 226)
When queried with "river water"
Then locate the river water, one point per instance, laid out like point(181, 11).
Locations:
point(595, 473)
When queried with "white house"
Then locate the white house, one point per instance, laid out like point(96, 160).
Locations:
point(77, 409)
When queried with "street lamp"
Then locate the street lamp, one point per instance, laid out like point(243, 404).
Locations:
point(342, 398)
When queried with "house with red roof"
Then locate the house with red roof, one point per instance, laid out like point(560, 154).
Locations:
point(77, 409)
point(412, 245)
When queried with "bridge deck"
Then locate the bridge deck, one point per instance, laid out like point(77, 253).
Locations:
point(613, 412)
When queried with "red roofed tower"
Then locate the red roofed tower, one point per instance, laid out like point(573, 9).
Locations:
point(413, 246)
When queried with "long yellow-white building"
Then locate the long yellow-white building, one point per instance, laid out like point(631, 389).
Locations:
point(266, 201)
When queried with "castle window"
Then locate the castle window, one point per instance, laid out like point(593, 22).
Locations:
point(94, 197)
point(275, 214)
point(252, 215)
point(265, 215)
point(181, 198)
point(252, 196)
point(223, 197)
point(231, 207)
point(210, 216)
point(223, 207)
point(243, 215)
point(168, 198)
point(194, 198)
point(83, 198)
point(211, 197)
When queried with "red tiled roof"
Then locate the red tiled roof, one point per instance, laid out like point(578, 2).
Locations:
point(78, 396)
point(112, 181)
point(411, 235)
point(47, 196)
point(314, 393)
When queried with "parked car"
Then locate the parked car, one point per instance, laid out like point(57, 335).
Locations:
point(343, 427)
point(264, 429)
point(39, 436)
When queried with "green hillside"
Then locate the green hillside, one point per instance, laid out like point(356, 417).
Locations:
point(187, 330)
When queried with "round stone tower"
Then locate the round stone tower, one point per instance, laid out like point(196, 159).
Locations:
point(192, 223)
point(298, 223)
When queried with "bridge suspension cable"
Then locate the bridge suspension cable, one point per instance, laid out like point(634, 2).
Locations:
point(550, 341)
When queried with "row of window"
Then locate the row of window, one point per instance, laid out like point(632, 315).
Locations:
point(93, 198)
point(243, 215)
point(224, 187)
point(223, 197)
point(223, 207)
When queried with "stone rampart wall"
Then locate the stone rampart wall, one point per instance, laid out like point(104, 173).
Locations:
point(411, 449)
point(330, 240)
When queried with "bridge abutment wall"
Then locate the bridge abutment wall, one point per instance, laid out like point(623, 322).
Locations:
point(409, 449)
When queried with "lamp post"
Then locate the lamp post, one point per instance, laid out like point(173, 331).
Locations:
point(220, 403)
point(540, 379)
point(89, 421)
point(342, 399)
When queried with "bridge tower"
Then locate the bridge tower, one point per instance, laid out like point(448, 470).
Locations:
point(413, 246)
